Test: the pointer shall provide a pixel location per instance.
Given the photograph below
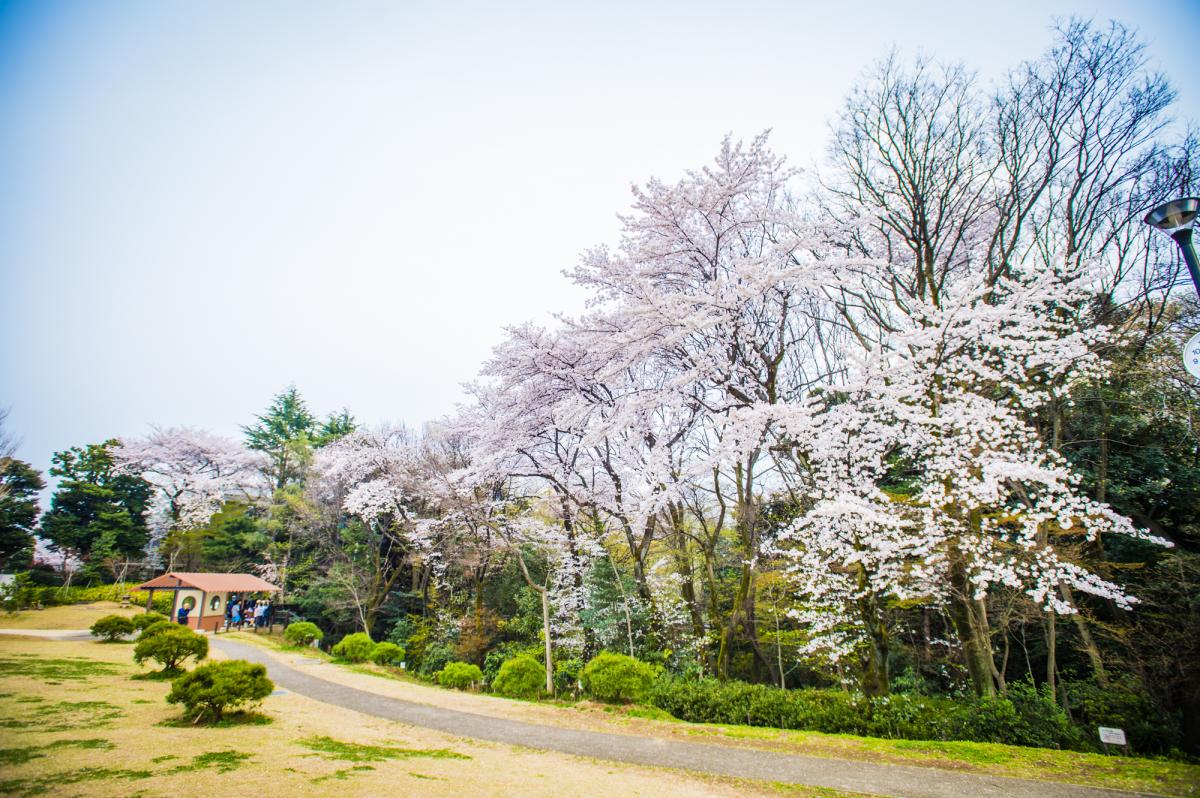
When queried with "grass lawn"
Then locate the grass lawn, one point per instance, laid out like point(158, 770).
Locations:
point(73, 722)
point(69, 616)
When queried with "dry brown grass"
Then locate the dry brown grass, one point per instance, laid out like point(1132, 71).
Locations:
point(69, 616)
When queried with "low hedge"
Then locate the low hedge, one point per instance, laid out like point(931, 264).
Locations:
point(1023, 716)
point(459, 675)
point(520, 677)
point(356, 647)
point(617, 677)
point(50, 596)
point(302, 633)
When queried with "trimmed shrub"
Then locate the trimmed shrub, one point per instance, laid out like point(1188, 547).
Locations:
point(355, 647)
point(520, 677)
point(142, 620)
point(459, 675)
point(302, 633)
point(170, 647)
point(1022, 717)
point(154, 627)
point(387, 654)
point(211, 690)
point(112, 628)
point(617, 677)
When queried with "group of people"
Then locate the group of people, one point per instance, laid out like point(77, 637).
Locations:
point(239, 613)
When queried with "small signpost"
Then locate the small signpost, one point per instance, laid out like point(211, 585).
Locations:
point(1113, 736)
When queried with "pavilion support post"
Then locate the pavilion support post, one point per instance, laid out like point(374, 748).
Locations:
point(149, 600)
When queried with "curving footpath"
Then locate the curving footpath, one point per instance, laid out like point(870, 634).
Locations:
point(896, 780)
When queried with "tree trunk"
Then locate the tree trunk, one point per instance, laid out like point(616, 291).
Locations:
point(546, 634)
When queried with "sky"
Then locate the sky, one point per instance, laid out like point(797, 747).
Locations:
point(203, 203)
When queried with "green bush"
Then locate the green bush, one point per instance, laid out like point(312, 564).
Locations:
point(112, 627)
point(502, 653)
point(155, 627)
point(387, 654)
point(53, 596)
point(1022, 717)
point(211, 690)
point(170, 647)
point(142, 620)
point(520, 677)
point(617, 677)
point(355, 647)
point(302, 633)
point(459, 675)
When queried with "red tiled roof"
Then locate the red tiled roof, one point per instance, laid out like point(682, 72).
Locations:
point(211, 583)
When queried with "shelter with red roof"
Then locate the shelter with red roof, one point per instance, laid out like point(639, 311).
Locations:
point(205, 594)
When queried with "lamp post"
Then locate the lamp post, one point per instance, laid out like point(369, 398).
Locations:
point(1176, 218)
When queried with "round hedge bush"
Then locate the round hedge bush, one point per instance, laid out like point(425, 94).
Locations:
point(211, 690)
point(154, 627)
point(617, 677)
point(459, 675)
point(302, 633)
point(387, 654)
point(355, 648)
point(520, 677)
point(112, 628)
point(171, 647)
point(146, 618)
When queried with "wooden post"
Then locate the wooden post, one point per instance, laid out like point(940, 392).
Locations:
point(200, 614)
point(149, 599)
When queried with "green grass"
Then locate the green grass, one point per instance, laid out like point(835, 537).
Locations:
point(71, 668)
point(341, 775)
point(63, 716)
point(357, 752)
point(19, 756)
point(223, 761)
point(42, 784)
point(228, 721)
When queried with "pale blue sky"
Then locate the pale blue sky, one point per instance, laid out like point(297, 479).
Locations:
point(203, 202)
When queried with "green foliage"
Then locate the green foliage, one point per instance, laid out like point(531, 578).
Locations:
point(436, 657)
point(459, 675)
point(20, 484)
point(520, 677)
point(19, 594)
point(1123, 703)
point(1023, 717)
point(170, 647)
point(356, 647)
point(145, 619)
point(96, 512)
point(211, 690)
point(567, 674)
point(51, 596)
point(112, 627)
point(284, 433)
point(157, 626)
point(386, 653)
point(302, 633)
point(617, 677)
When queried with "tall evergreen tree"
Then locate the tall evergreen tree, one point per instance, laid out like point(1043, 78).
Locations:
point(285, 433)
point(19, 487)
point(96, 513)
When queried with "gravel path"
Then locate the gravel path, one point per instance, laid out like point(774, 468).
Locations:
point(895, 780)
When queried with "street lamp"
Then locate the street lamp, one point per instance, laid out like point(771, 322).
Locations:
point(1176, 218)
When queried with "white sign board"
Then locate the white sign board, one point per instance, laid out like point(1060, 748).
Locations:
point(1113, 736)
point(1191, 356)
